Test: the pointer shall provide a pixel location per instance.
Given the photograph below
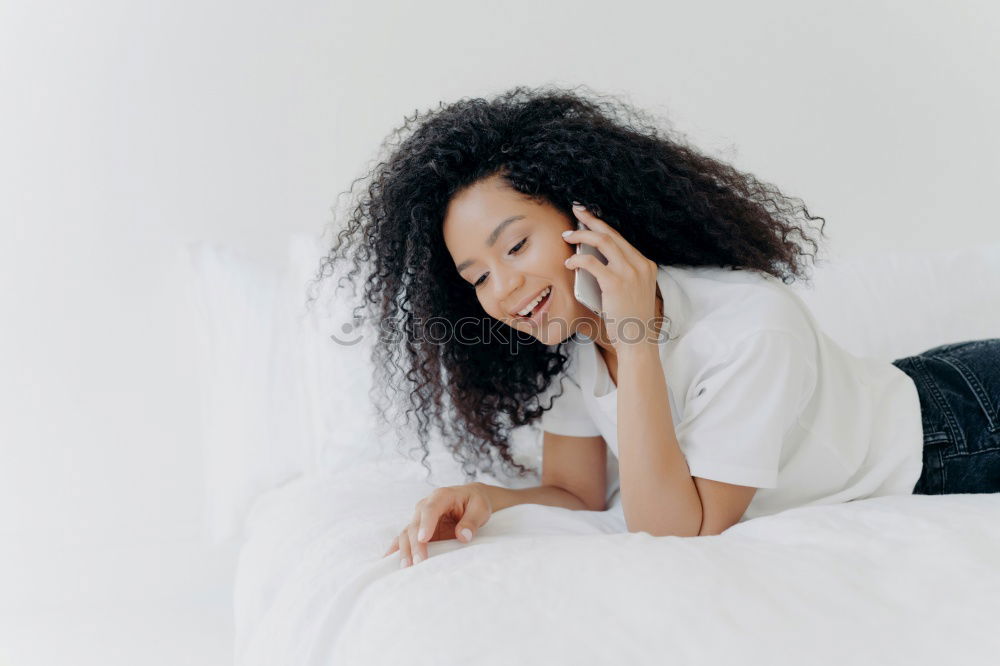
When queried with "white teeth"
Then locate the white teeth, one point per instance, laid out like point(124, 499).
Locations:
point(531, 306)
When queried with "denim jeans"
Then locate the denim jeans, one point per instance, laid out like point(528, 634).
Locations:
point(959, 389)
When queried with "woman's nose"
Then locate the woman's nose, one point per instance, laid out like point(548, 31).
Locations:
point(507, 284)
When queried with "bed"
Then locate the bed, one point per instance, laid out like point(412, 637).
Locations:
point(298, 473)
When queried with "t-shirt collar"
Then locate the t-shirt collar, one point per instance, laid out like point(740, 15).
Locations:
point(676, 307)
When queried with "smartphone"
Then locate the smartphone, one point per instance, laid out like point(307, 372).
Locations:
point(585, 286)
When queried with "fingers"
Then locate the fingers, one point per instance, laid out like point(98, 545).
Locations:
point(403, 543)
point(603, 242)
point(475, 517)
point(594, 266)
point(427, 517)
point(594, 222)
point(413, 539)
point(418, 551)
point(598, 225)
point(393, 547)
point(471, 507)
point(623, 258)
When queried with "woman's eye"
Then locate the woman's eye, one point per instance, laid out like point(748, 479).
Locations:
point(513, 250)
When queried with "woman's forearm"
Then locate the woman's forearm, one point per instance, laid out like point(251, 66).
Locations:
point(501, 497)
point(657, 492)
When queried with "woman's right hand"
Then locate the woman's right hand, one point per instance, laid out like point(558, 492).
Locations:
point(451, 512)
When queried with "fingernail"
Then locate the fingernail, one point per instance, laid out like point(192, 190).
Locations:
point(566, 263)
point(567, 233)
point(422, 534)
point(418, 558)
point(467, 533)
point(405, 562)
point(577, 203)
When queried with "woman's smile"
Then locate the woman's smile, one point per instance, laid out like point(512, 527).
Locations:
point(539, 312)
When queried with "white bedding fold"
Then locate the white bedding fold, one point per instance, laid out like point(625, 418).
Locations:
point(907, 580)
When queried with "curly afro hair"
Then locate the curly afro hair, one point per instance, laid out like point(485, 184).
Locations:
point(674, 204)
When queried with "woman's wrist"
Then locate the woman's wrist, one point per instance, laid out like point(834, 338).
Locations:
point(643, 351)
point(501, 497)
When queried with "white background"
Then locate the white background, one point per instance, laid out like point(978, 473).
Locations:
point(129, 128)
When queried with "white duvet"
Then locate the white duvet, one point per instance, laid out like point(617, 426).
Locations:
point(892, 580)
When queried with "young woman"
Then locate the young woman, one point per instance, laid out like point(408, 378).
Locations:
point(706, 377)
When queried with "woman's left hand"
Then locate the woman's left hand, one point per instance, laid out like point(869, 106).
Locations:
point(628, 282)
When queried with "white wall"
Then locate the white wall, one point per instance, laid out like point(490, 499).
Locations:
point(127, 129)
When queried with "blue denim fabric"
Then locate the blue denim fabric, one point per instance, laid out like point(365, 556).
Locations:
point(959, 388)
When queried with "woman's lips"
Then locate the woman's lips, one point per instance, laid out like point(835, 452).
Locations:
point(542, 307)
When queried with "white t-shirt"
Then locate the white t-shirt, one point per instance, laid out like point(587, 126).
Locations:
point(759, 396)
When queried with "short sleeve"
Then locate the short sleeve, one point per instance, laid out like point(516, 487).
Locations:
point(740, 411)
point(569, 415)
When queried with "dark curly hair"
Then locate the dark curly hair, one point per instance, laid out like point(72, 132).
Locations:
point(674, 204)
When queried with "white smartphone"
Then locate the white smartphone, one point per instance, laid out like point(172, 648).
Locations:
point(585, 286)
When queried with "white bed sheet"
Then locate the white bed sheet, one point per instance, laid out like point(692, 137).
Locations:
point(892, 580)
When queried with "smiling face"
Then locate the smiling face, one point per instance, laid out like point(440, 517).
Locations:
point(510, 250)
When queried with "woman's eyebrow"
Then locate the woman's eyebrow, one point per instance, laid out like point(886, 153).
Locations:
point(491, 241)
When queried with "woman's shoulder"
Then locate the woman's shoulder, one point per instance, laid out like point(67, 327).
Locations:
point(727, 306)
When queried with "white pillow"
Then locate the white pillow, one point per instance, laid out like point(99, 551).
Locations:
point(889, 306)
point(247, 385)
